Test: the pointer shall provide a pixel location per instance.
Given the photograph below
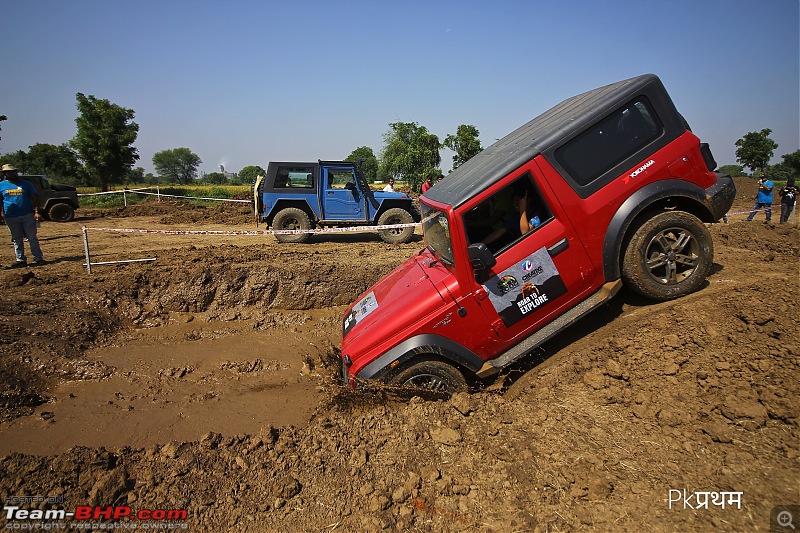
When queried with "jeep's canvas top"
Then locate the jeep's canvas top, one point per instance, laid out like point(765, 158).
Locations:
point(545, 133)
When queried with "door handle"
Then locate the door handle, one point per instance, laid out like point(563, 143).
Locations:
point(558, 247)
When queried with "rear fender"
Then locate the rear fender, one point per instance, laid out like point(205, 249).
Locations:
point(655, 197)
point(282, 203)
point(45, 205)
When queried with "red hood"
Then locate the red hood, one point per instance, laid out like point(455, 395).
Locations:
point(404, 297)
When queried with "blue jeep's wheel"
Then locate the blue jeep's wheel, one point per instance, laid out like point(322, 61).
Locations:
point(292, 218)
point(396, 215)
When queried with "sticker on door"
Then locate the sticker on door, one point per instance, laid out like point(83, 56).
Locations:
point(525, 287)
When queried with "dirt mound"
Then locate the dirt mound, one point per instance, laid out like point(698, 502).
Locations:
point(594, 431)
point(178, 212)
point(759, 237)
point(746, 190)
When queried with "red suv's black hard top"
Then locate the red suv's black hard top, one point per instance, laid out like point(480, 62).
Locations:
point(545, 133)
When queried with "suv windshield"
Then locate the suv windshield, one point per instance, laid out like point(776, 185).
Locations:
point(436, 230)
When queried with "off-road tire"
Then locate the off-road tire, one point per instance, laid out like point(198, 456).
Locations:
point(668, 256)
point(292, 218)
point(61, 212)
point(396, 215)
point(431, 375)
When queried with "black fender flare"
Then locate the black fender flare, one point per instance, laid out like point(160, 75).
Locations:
point(52, 201)
point(405, 205)
point(687, 195)
point(424, 344)
point(283, 203)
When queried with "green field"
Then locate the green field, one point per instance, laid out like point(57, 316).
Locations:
point(240, 192)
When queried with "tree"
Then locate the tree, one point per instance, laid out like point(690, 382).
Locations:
point(215, 178)
point(370, 165)
point(464, 143)
point(178, 164)
point(781, 172)
point(18, 159)
point(756, 149)
point(733, 170)
point(793, 160)
point(60, 163)
point(106, 133)
point(409, 152)
point(248, 174)
point(136, 175)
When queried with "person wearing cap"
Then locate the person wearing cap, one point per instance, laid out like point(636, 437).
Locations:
point(20, 202)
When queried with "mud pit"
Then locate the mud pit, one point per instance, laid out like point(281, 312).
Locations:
point(206, 381)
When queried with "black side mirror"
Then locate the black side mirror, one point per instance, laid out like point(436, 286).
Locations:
point(481, 258)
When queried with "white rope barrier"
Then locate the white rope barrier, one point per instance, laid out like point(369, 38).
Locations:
point(195, 197)
point(85, 230)
point(159, 194)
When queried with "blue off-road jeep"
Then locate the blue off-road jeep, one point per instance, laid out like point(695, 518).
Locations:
point(303, 196)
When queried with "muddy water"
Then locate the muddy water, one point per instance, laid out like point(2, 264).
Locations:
point(179, 382)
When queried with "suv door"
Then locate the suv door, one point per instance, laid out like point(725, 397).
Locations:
point(342, 199)
point(539, 273)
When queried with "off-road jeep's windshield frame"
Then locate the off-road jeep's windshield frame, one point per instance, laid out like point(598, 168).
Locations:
point(436, 231)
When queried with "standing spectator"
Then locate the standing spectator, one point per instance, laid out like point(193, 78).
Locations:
point(20, 203)
point(763, 198)
point(428, 183)
point(390, 186)
point(788, 195)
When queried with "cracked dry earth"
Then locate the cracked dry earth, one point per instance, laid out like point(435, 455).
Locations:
point(206, 381)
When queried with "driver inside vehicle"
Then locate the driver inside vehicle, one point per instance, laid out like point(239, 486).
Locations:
point(524, 215)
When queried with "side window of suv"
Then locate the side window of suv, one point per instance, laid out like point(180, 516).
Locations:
point(506, 217)
point(609, 142)
point(338, 179)
point(288, 177)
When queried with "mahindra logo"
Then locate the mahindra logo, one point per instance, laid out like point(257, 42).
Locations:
point(642, 168)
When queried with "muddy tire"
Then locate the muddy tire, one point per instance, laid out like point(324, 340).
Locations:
point(396, 215)
point(435, 376)
point(61, 212)
point(669, 256)
point(292, 218)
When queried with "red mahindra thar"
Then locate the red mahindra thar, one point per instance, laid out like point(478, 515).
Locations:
point(608, 187)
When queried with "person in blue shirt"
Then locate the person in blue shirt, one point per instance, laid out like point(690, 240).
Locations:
point(20, 202)
point(763, 198)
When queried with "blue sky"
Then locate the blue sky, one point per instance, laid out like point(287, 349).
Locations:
point(245, 82)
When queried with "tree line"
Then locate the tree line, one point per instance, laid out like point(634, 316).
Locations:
point(102, 153)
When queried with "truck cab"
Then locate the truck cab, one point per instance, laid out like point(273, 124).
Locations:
point(294, 198)
point(609, 187)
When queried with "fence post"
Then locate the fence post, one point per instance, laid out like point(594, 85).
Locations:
point(125, 196)
point(86, 249)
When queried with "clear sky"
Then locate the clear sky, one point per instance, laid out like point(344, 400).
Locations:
point(246, 82)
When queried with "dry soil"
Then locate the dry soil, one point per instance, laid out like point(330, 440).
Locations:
point(206, 380)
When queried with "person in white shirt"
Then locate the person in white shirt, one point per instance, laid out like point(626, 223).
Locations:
point(390, 187)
